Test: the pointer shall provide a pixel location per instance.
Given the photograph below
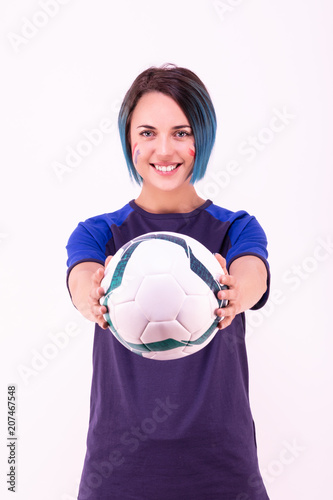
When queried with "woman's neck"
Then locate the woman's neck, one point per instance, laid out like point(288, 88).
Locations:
point(164, 202)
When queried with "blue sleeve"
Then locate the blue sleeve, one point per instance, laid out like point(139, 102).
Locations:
point(88, 242)
point(248, 238)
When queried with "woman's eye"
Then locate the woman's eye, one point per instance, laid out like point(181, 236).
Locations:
point(146, 133)
point(182, 133)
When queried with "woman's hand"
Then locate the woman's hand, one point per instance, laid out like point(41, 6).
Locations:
point(246, 285)
point(85, 286)
point(231, 294)
point(96, 292)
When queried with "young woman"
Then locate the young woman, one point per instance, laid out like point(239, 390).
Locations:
point(178, 429)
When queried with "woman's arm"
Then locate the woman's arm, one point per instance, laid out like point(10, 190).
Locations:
point(247, 282)
point(85, 287)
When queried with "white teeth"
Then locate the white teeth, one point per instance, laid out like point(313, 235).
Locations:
point(169, 168)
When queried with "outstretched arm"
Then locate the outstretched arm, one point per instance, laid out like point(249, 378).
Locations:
point(247, 282)
point(85, 287)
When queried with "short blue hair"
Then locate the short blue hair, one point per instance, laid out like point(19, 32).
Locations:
point(191, 95)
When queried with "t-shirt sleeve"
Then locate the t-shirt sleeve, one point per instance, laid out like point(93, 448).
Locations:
point(248, 238)
point(87, 242)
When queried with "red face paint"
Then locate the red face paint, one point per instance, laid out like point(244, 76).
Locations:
point(191, 152)
point(135, 145)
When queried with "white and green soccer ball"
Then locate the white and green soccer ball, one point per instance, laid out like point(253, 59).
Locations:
point(161, 295)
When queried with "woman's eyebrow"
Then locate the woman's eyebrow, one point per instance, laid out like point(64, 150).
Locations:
point(147, 126)
point(181, 126)
point(173, 128)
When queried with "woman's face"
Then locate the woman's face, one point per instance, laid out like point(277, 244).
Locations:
point(162, 142)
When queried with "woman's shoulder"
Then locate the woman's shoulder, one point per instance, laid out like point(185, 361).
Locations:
point(225, 214)
point(117, 217)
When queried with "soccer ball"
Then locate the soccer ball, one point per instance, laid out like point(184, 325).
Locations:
point(161, 295)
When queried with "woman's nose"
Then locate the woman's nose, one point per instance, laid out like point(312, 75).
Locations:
point(164, 146)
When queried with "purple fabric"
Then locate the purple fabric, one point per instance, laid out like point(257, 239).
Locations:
point(180, 429)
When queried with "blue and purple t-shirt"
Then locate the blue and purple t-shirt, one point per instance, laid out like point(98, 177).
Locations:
point(178, 429)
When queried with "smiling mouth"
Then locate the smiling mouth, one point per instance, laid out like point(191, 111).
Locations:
point(165, 168)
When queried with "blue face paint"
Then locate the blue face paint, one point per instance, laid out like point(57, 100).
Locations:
point(137, 152)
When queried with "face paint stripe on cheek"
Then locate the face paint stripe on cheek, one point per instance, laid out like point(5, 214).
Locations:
point(191, 151)
point(135, 156)
point(137, 152)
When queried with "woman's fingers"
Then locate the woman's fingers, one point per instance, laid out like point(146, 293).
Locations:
point(231, 295)
point(96, 293)
point(223, 263)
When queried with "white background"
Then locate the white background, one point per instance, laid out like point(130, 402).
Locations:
point(65, 68)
